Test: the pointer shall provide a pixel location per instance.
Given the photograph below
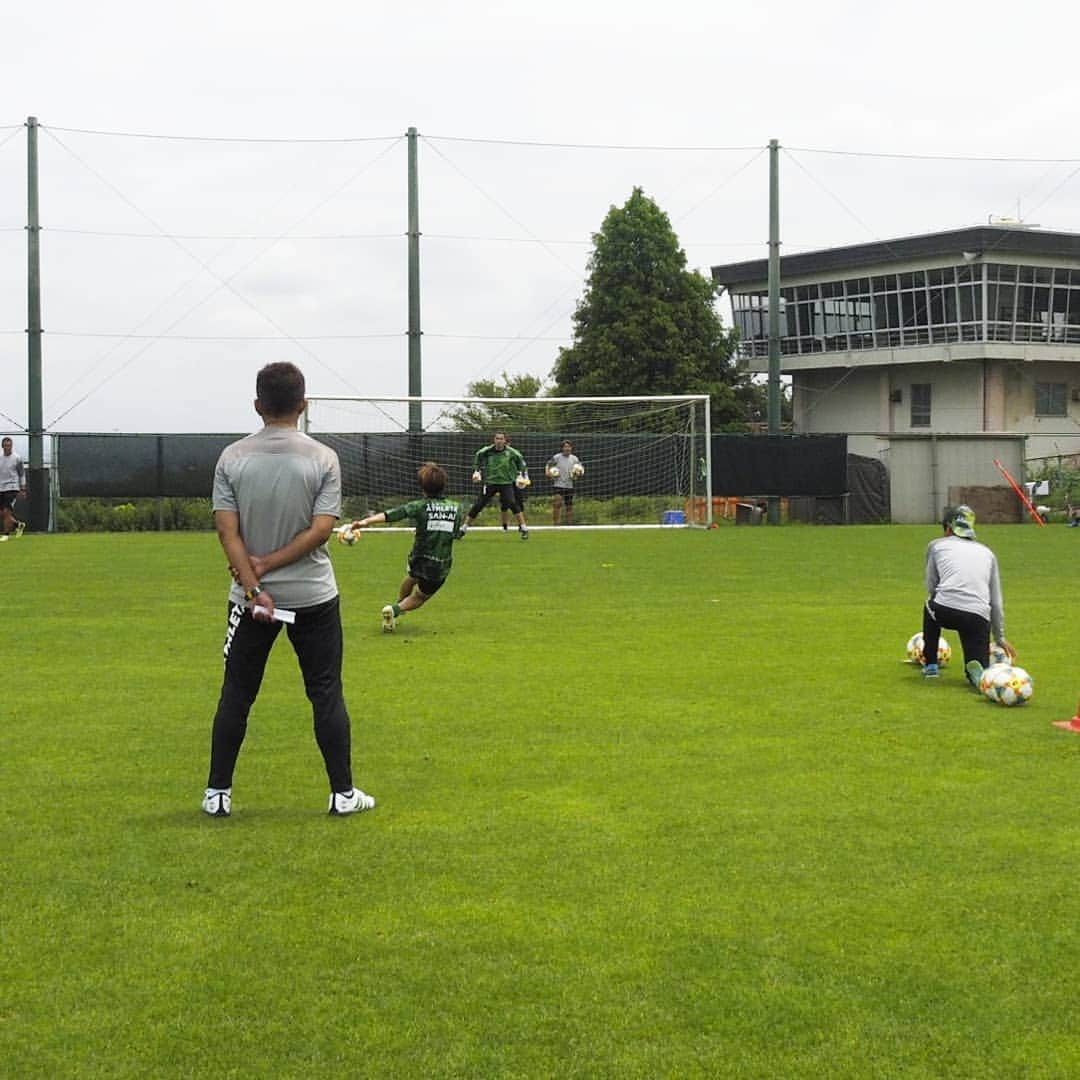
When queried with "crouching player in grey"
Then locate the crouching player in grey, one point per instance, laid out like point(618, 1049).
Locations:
point(439, 522)
point(277, 495)
point(964, 590)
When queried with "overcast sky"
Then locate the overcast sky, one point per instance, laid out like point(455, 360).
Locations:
point(266, 219)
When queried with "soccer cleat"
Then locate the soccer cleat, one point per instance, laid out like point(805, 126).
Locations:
point(19, 527)
point(388, 620)
point(930, 671)
point(505, 527)
point(4, 537)
point(973, 670)
point(217, 802)
point(524, 532)
point(350, 802)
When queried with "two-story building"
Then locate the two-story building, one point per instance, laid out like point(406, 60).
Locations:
point(971, 332)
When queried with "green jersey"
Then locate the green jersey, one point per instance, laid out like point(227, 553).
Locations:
point(439, 522)
point(499, 466)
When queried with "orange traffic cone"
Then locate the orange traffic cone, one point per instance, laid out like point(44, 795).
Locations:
point(1070, 725)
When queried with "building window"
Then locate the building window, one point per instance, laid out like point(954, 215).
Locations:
point(920, 404)
point(1050, 399)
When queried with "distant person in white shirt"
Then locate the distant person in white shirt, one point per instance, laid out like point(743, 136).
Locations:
point(964, 594)
point(12, 485)
point(563, 468)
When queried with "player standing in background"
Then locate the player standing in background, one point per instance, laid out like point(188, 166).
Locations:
point(439, 522)
point(277, 495)
point(562, 468)
point(504, 507)
point(964, 595)
point(499, 466)
point(12, 485)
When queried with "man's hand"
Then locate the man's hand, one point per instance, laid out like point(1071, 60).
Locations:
point(258, 564)
point(263, 600)
point(1009, 649)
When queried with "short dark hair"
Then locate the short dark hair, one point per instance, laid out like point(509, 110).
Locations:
point(432, 478)
point(948, 516)
point(280, 388)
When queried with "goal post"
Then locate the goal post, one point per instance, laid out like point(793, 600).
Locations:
point(647, 460)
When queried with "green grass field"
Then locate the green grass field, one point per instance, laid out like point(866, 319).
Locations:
point(661, 803)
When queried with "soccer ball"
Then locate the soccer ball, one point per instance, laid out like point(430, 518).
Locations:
point(999, 655)
point(1006, 684)
point(915, 650)
point(347, 536)
point(553, 472)
point(578, 470)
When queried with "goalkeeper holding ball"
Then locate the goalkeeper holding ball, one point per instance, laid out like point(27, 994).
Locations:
point(564, 468)
point(502, 470)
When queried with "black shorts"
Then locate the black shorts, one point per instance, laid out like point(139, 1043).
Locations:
point(7, 500)
point(566, 494)
point(422, 572)
point(508, 499)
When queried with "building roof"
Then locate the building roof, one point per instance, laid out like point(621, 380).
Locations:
point(983, 240)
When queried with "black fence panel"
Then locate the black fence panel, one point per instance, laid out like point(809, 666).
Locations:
point(783, 465)
point(377, 464)
point(138, 466)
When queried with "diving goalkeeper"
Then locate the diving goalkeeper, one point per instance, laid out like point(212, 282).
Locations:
point(438, 524)
point(501, 469)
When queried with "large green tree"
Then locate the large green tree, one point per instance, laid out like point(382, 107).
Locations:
point(474, 417)
point(648, 325)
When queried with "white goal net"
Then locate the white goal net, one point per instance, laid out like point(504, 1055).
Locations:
point(647, 460)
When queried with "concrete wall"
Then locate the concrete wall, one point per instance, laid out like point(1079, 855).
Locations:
point(925, 472)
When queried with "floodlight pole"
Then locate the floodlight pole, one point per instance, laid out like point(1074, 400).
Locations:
point(416, 421)
point(774, 307)
point(37, 489)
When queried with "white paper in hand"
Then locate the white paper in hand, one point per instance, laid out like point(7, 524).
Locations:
point(280, 614)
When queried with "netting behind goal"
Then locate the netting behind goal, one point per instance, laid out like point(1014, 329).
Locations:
point(647, 460)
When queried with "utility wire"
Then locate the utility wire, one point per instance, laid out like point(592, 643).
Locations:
point(217, 138)
point(934, 157)
point(723, 184)
point(651, 148)
point(128, 336)
point(495, 202)
point(224, 283)
point(593, 146)
point(226, 236)
point(11, 135)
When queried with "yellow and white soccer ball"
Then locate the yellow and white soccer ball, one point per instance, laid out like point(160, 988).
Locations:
point(1006, 684)
point(348, 536)
point(578, 470)
point(915, 650)
point(553, 472)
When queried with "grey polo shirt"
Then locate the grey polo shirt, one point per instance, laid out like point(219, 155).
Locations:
point(278, 480)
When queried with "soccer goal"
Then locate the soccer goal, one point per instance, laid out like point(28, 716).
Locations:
point(647, 460)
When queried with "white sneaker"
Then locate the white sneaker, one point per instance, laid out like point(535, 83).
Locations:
point(350, 802)
point(388, 620)
point(217, 802)
point(19, 527)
